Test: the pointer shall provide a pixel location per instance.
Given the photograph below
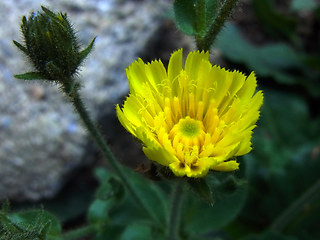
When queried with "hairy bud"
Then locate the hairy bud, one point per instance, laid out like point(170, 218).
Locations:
point(52, 46)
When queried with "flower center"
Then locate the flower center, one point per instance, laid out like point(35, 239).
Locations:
point(188, 131)
point(189, 127)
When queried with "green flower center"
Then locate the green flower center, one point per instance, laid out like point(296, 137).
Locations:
point(189, 127)
point(188, 131)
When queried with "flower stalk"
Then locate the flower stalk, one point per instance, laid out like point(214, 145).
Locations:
point(175, 211)
point(205, 42)
point(106, 151)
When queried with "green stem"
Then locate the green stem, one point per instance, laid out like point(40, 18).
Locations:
point(225, 11)
point(175, 211)
point(79, 233)
point(97, 136)
point(296, 207)
point(201, 17)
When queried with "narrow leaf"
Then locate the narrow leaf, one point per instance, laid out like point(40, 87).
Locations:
point(30, 76)
point(21, 47)
point(85, 52)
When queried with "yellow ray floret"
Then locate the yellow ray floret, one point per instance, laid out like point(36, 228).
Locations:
point(191, 119)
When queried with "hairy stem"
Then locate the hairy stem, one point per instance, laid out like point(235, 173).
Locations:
point(107, 153)
point(175, 211)
point(216, 26)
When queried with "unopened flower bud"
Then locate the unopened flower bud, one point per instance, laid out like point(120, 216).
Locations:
point(52, 46)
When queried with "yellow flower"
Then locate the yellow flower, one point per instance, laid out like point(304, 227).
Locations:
point(193, 118)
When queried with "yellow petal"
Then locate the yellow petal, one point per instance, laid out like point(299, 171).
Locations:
point(174, 69)
point(159, 155)
point(227, 166)
point(136, 76)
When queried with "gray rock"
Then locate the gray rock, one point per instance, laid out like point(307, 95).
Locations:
point(41, 138)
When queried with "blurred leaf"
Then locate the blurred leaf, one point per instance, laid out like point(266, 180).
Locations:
point(109, 232)
point(278, 61)
point(150, 193)
point(39, 222)
point(284, 134)
point(284, 163)
point(270, 60)
point(191, 21)
point(274, 22)
point(268, 236)
point(137, 231)
point(200, 218)
point(99, 211)
point(303, 5)
point(115, 208)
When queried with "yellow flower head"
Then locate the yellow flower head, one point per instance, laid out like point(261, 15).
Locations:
point(192, 118)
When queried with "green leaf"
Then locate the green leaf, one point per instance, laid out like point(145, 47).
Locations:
point(108, 194)
point(45, 230)
point(109, 232)
point(37, 221)
point(85, 52)
point(267, 61)
point(137, 231)
point(30, 76)
point(99, 211)
point(117, 209)
point(150, 193)
point(274, 22)
point(278, 61)
point(268, 236)
point(200, 218)
point(193, 20)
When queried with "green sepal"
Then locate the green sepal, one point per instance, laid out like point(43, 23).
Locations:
point(47, 11)
point(85, 52)
point(21, 47)
point(202, 189)
point(30, 76)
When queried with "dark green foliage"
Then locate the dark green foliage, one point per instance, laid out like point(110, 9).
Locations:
point(280, 61)
point(28, 225)
point(117, 216)
point(51, 44)
point(273, 21)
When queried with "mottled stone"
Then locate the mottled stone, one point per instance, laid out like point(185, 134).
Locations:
point(41, 139)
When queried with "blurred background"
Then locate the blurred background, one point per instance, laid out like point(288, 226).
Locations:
point(47, 158)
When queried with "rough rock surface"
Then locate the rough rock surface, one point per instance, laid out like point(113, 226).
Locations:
point(41, 139)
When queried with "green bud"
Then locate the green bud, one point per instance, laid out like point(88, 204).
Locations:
point(52, 46)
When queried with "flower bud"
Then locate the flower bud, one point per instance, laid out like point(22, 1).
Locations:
point(52, 46)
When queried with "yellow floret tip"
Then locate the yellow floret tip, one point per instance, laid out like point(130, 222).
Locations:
point(192, 118)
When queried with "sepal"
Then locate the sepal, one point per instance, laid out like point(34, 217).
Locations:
point(30, 76)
